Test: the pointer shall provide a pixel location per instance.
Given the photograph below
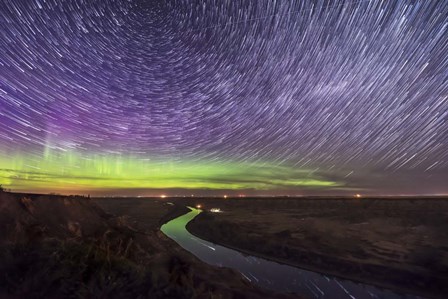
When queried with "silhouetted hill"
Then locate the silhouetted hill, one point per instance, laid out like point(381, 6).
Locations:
point(68, 247)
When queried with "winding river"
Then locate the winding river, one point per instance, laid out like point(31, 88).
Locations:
point(269, 274)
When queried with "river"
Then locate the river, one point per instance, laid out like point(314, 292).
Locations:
point(268, 274)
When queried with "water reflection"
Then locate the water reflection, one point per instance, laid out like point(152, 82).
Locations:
point(268, 274)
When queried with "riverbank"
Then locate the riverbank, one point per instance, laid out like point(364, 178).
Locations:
point(398, 245)
point(146, 214)
point(68, 246)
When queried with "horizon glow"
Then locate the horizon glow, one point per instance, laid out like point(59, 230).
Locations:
point(68, 170)
point(262, 97)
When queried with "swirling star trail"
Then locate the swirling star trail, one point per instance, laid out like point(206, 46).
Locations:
point(265, 97)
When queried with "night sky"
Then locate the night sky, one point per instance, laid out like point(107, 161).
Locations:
point(213, 97)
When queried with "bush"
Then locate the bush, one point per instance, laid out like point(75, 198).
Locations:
point(60, 269)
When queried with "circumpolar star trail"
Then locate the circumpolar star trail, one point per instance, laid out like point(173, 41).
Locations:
point(259, 97)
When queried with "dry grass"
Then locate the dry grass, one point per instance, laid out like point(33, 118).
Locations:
point(401, 244)
point(68, 247)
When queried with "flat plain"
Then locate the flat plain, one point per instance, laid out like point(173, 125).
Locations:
point(397, 243)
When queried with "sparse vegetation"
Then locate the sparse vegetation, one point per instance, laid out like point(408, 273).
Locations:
point(360, 240)
point(67, 247)
point(68, 269)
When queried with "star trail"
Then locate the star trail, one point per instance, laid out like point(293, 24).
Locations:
point(255, 96)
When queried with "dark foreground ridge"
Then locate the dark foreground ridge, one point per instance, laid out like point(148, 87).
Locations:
point(68, 247)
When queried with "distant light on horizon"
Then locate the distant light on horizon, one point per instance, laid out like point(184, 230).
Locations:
point(209, 98)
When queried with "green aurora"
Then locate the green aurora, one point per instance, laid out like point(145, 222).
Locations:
point(68, 171)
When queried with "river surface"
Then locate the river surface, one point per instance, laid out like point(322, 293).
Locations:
point(268, 274)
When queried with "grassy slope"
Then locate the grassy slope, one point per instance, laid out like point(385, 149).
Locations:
point(67, 247)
